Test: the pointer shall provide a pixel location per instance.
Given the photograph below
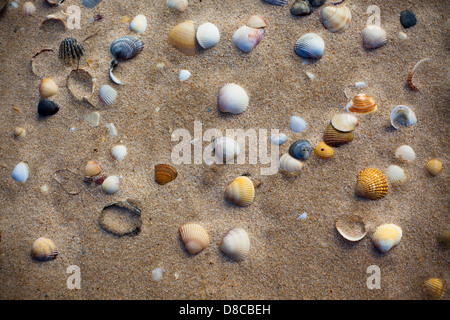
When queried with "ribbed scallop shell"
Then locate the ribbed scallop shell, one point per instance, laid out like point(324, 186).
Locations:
point(165, 173)
point(240, 191)
point(107, 94)
point(374, 37)
point(178, 5)
point(226, 148)
point(256, 21)
point(139, 23)
point(126, 47)
point(402, 116)
point(91, 3)
point(247, 38)
point(182, 37)
point(236, 244)
point(395, 174)
point(351, 227)
point(435, 287)
point(336, 18)
point(434, 167)
point(44, 249)
point(119, 152)
point(194, 237)
point(387, 236)
point(232, 98)
point(335, 138)
point(344, 122)
point(92, 168)
point(207, 35)
point(323, 150)
point(371, 183)
point(289, 163)
point(70, 50)
point(277, 2)
point(361, 103)
point(310, 46)
point(405, 153)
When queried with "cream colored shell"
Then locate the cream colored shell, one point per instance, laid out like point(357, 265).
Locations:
point(194, 237)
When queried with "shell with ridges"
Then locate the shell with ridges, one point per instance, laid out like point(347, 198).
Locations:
point(47, 108)
point(402, 116)
point(43, 249)
point(336, 18)
point(165, 173)
point(232, 98)
point(139, 23)
point(207, 35)
point(374, 37)
point(247, 38)
point(182, 37)
point(226, 148)
point(434, 167)
point(289, 163)
point(240, 191)
point(236, 244)
point(178, 5)
point(119, 152)
point(395, 174)
point(387, 236)
point(435, 287)
point(405, 153)
point(344, 122)
point(361, 103)
point(335, 138)
point(372, 184)
point(277, 2)
point(107, 94)
point(323, 150)
point(70, 50)
point(256, 22)
point(194, 237)
point(126, 47)
point(310, 46)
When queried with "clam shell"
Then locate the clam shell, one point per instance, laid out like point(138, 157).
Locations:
point(300, 149)
point(405, 153)
point(207, 35)
point(165, 173)
point(121, 218)
point(236, 244)
point(278, 138)
point(290, 164)
point(107, 94)
point(301, 8)
point(182, 37)
point(435, 288)
point(178, 5)
point(226, 148)
point(20, 172)
point(297, 124)
point(126, 47)
point(387, 236)
point(395, 174)
point(256, 22)
point(372, 184)
point(232, 98)
point(351, 227)
point(111, 184)
point(80, 84)
point(92, 168)
point(119, 152)
point(139, 23)
point(374, 37)
point(247, 38)
point(194, 237)
point(240, 191)
point(402, 116)
point(19, 132)
point(47, 108)
point(361, 103)
point(434, 167)
point(336, 18)
point(43, 249)
point(310, 46)
point(91, 3)
point(335, 138)
point(344, 122)
point(323, 150)
point(28, 8)
point(70, 50)
point(277, 2)
point(48, 88)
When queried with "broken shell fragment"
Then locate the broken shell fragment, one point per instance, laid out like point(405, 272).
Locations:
point(405, 153)
point(289, 163)
point(361, 103)
point(344, 122)
point(178, 5)
point(236, 244)
point(240, 191)
point(43, 249)
point(395, 174)
point(111, 184)
point(107, 94)
point(374, 37)
point(335, 138)
point(435, 288)
point(207, 35)
point(165, 173)
point(310, 46)
point(225, 148)
point(336, 18)
point(411, 74)
point(246, 38)
point(54, 22)
point(402, 116)
point(182, 37)
point(48, 88)
point(80, 84)
point(20, 172)
point(126, 47)
point(372, 184)
point(119, 152)
point(351, 227)
point(114, 64)
point(434, 167)
point(324, 151)
point(92, 168)
point(194, 237)
point(387, 236)
point(139, 23)
point(256, 22)
point(232, 98)
point(121, 218)
point(70, 51)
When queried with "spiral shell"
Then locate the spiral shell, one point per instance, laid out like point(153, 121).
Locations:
point(126, 47)
point(70, 50)
point(207, 35)
point(48, 88)
point(323, 150)
point(107, 94)
point(226, 148)
point(165, 173)
point(182, 37)
point(43, 249)
point(310, 46)
point(395, 175)
point(178, 5)
point(289, 163)
point(435, 288)
point(387, 236)
point(405, 153)
point(374, 37)
point(20, 172)
point(194, 237)
point(335, 138)
point(336, 18)
point(372, 184)
point(402, 116)
point(240, 191)
point(92, 168)
point(139, 23)
point(344, 122)
point(236, 244)
point(434, 167)
point(247, 38)
point(362, 103)
point(232, 98)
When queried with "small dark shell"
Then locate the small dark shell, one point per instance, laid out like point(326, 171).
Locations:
point(126, 47)
point(316, 3)
point(407, 19)
point(301, 8)
point(47, 108)
point(300, 149)
point(70, 50)
point(91, 3)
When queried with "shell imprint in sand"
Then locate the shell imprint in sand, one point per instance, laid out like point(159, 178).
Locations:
point(121, 218)
point(80, 84)
point(351, 227)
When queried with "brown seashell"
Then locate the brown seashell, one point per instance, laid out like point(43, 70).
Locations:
point(434, 167)
point(362, 103)
point(164, 173)
point(371, 183)
point(194, 236)
point(335, 138)
point(92, 168)
point(48, 88)
point(182, 37)
point(44, 249)
point(435, 287)
point(81, 84)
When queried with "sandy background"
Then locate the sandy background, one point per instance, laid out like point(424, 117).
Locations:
point(290, 258)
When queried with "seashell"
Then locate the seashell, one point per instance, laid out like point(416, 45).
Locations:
point(111, 184)
point(194, 237)
point(336, 18)
point(444, 237)
point(300, 149)
point(182, 37)
point(434, 167)
point(351, 227)
point(247, 38)
point(70, 50)
point(91, 3)
point(310, 46)
point(335, 138)
point(232, 98)
point(121, 218)
point(361, 103)
point(387, 236)
point(119, 152)
point(278, 138)
point(114, 64)
point(47, 108)
point(374, 37)
point(407, 19)
point(178, 5)
point(139, 23)
point(184, 75)
point(411, 74)
point(126, 47)
point(344, 122)
point(92, 168)
point(301, 8)
point(43, 249)
point(29, 8)
point(289, 163)
point(48, 88)
point(316, 3)
point(107, 94)
point(164, 173)
point(323, 150)
point(372, 184)
point(297, 124)
point(226, 148)
point(80, 84)
point(19, 132)
point(207, 35)
point(240, 191)
point(402, 116)
point(54, 23)
point(435, 288)
point(20, 172)
point(405, 153)
point(277, 2)
point(256, 22)
point(395, 174)
point(236, 244)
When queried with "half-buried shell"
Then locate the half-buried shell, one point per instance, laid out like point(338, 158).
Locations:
point(194, 237)
point(372, 184)
point(335, 138)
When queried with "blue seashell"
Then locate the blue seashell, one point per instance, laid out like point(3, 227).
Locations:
point(91, 3)
point(300, 149)
point(20, 172)
point(310, 46)
point(126, 47)
point(277, 2)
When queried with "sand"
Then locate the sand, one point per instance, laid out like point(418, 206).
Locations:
point(289, 258)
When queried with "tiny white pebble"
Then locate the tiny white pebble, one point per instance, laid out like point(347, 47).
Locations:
point(160, 65)
point(112, 129)
point(310, 75)
point(44, 188)
point(177, 275)
point(157, 274)
point(360, 84)
point(402, 36)
point(184, 75)
point(304, 215)
point(72, 129)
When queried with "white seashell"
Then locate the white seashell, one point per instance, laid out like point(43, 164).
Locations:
point(225, 148)
point(395, 174)
point(247, 38)
point(184, 75)
point(374, 37)
point(194, 237)
point(310, 46)
point(405, 153)
point(402, 116)
point(157, 274)
point(19, 132)
point(297, 124)
point(111, 184)
point(387, 236)
point(207, 35)
point(111, 74)
point(344, 122)
point(119, 152)
point(20, 172)
point(289, 163)
point(236, 244)
point(107, 94)
point(360, 84)
point(29, 8)
point(232, 98)
point(278, 138)
point(139, 23)
point(179, 5)
point(336, 19)
point(256, 21)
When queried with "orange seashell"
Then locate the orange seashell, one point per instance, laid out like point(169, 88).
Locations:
point(164, 173)
point(371, 183)
point(194, 236)
point(434, 167)
point(240, 191)
point(182, 37)
point(335, 138)
point(92, 168)
point(324, 151)
point(435, 287)
point(362, 103)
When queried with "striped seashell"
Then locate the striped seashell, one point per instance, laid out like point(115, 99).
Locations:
point(335, 138)
point(207, 35)
point(402, 116)
point(247, 38)
point(20, 172)
point(324, 151)
point(374, 37)
point(395, 174)
point(361, 103)
point(344, 122)
point(126, 47)
point(139, 23)
point(256, 22)
point(43, 249)
point(289, 163)
point(435, 288)
point(405, 153)
point(182, 37)
point(92, 168)
point(91, 3)
point(351, 227)
point(165, 173)
point(310, 46)
point(194, 237)
point(232, 98)
point(240, 191)
point(434, 167)
point(387, 236)
point(178, 5)
point(236, 244)
point(70, 50)
point(336, 18)
point(372, 184)
point(277, 2)
point(107, 94)
point(119, 152)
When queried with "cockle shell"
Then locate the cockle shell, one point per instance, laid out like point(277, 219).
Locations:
point(247, 38)
point(90, 3)
point(236, 244)
point(119, 152)
point(194, 237)
point(402, 116)
point(372, 184)
point(47, 108)
point(107, 94)
point(43, 249)
point(277, 2)
point(207, 35)
point(395, 174)
point(324, 151)
point(289, 163)
point(139, 23)
point(387, 236)
point(70, 50)
point(232, 98)
point(256, 21)
point(351, 227)
point(178, 5)
point(126, 47)
point(374, 37)
point(435, 288)
point(226, 148)
point(300, 149)
point(310, 46)
point(405, 153)
point(335, 138)
point(240, 191)
point(20, 172)
point(434, 167)
point(182, 37)
point(297, 124)
point(111, 184)
point(165, 173)
point(301, 8)
point(92, 168)
point(361, 103)
point(344, 122)
point(48, 88)
point(29, 8)
point(336, 18)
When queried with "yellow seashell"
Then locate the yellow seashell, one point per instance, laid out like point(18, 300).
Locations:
point(435, 287)
point(92, 168)
point(44, 249)
point(240, 191)
point(335, 138)
point(182, 37)
point(48, 88)
point(324, 151)
point(387, 236)
point(194, 236)
point(164, 174)
point(371, 183)
point(434, 167)
point(362, 103)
